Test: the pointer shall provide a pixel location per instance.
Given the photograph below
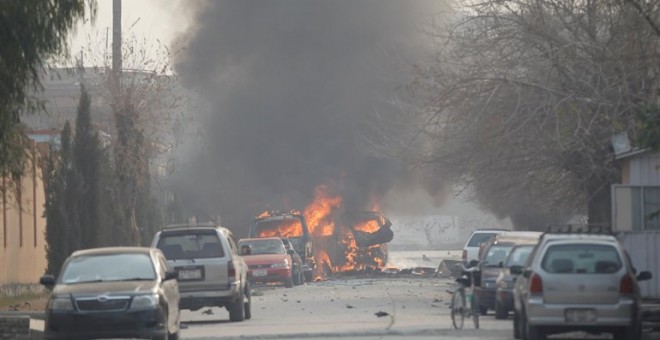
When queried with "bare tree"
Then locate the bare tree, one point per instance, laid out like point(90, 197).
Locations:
point(521, 101)
point(145, 111)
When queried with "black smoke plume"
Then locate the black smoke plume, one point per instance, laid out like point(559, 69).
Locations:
point(286, 84)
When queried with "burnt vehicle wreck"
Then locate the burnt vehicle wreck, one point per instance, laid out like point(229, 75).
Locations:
point(350, 241)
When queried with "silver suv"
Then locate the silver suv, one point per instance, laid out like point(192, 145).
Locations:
point(577, 282)
point(210, 271)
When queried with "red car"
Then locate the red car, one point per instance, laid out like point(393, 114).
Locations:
point(267, 260)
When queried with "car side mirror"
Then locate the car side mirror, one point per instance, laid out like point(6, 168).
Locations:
point(473, 263)
point(246, 250)
point(501, 264)
point(644, 276)
point(48, 281)
point(291, 252)
point(516, 270)
point(527, 273)
point(171, 275)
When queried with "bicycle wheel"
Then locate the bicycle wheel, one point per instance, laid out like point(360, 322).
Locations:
point(474, 308)
point(458, 308)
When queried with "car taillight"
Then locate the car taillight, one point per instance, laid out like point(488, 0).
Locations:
point(231, 271)
point(535, 284)
point(627, 285)
point(464, 255)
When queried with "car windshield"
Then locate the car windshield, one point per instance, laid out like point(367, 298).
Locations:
point(279, 228)
point(259, 247)
point(496, 254)
point(581, 259)
point(479, 238)
point(108, 267)
point(190, 245)
point(518, 256)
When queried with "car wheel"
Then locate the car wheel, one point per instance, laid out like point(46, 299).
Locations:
point(289, 282)
point(248, 301)
point(297, 279)
point(534, 332)
point(628, 333)
point(483, 310)
point(237, 308)
point(500, 310)
point(516, 325)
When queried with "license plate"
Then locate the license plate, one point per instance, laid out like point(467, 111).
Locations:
point(259, 272)
point(190, 274)
point(580, 315)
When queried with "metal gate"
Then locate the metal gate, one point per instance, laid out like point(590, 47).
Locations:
point(644, 250)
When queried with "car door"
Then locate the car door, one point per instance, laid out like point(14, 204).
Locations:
point(170, 289)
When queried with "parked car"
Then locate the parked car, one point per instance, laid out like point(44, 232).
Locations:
point(495, 252)
point(296, 260)
point(210, 270)
point(475, 242)
point(505, 281)
point(119, 292)
point(293, 226)
point(269, 261)
point(577, 282)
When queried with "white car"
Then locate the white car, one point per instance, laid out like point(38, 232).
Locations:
point(478, 238)
point(577, 282)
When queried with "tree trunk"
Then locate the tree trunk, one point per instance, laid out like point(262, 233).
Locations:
point(599, 207)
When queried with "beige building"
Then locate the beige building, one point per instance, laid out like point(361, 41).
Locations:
point(22, 227)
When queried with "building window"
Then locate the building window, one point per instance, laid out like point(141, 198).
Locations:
point(636, 208)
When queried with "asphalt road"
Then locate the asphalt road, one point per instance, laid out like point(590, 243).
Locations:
point(412, 307)
point(345, 307)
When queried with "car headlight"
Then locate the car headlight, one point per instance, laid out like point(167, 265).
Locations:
point(144, 302)
point(280, 265)
point(60, 303)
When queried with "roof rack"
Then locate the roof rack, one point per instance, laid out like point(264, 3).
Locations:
point(191, 225)
point(598, 229)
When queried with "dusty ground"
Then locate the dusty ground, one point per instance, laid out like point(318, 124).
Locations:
point(24, 303)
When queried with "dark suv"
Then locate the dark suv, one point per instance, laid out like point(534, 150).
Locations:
point(211, 273)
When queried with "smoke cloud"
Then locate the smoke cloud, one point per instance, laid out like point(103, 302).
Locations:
point(286, 84)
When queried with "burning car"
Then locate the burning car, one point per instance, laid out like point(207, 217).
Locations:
point(358, 243)
point(291, 225)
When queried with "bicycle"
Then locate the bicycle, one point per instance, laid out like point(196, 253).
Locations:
point(464, 294)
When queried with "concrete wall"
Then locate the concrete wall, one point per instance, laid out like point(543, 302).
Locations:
point(22, 228)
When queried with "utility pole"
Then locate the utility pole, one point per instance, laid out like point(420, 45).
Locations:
point(116, 39)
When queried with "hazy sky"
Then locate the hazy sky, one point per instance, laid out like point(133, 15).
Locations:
point(154, 20)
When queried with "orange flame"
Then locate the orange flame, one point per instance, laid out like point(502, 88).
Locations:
point(317, 214)
point(367, 226)
point(286, 228)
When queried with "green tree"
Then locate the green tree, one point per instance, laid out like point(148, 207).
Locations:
point(31, 31)
point(57, 214)
point(87, 153)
